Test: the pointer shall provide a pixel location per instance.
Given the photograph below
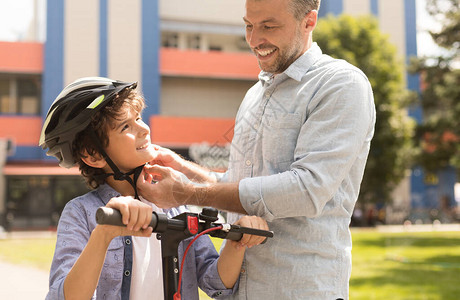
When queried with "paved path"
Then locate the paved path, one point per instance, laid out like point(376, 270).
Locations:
point(19, 282)
point(22, 282)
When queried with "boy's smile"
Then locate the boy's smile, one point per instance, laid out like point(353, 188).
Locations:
point(145, 146)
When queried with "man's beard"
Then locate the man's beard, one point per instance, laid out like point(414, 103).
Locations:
point(285, 58)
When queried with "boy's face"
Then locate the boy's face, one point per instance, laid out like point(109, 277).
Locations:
point(129, 142)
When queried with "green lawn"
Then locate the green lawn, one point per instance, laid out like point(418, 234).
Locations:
point(385, 265)
point(405, 265)
point(32, 252)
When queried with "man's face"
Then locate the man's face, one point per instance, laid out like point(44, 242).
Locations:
point(274, 35)
point(129, 142)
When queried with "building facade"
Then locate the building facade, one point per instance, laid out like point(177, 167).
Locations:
point(193, 67)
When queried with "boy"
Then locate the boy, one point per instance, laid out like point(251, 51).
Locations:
point(95, 123)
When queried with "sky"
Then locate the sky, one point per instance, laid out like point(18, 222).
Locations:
point(16, 16)
point(425, 44)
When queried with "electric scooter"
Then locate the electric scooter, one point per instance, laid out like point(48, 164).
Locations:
point(171, 231)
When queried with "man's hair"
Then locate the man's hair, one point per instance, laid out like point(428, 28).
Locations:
point(301, 7)
point(101, 122)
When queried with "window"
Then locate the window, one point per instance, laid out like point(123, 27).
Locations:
point(5, 97)
point(194, 41)
point(66, 188)
point(169, 40)
point(37, 201)
point(215, 48)
point(20, 95)
point(28, 96)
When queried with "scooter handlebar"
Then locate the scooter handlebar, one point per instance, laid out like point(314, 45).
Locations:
point(160, 223)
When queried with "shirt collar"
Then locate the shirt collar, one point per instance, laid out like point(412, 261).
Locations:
point(298, 68)
point(106, 192)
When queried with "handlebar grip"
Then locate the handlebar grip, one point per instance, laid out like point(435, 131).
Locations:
point(159, 223)
point(234, 236)
point(253, 231)
point(108, 216)
point(236, 233)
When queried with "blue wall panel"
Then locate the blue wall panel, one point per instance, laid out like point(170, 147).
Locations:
point(375, 7)
point(150, 56)
point(334, 7)
point(411, 40)
point(422, 195)
point(103, 38)
point(53, 74)
point(22, 153)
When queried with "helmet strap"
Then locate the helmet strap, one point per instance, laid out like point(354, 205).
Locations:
point(117, 174)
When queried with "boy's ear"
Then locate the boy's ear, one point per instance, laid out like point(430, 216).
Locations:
point(95, 161)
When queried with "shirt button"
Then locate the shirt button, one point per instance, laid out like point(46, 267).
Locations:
point(127, 273)
point(128, 242)
point(242, 271)
point(248, 162)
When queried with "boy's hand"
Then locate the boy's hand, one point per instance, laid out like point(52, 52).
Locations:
point(251, 240)
point(135, 215)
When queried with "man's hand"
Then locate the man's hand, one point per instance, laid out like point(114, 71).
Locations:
point(231, 257)
point(167, 158)
point(135, 215)
point(250, 240)
point(171, 188)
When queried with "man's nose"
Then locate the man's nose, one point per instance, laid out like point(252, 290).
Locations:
point(255, 38)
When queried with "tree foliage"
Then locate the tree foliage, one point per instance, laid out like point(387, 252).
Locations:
point(439, 132)
point(360, 42)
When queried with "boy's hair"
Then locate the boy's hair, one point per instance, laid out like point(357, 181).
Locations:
point(101, 123)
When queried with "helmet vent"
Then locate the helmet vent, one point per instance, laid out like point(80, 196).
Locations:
point(53, 122)
point(77, 110)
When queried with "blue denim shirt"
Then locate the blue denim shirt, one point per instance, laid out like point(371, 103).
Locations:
point(75, 226)
point(300, 145)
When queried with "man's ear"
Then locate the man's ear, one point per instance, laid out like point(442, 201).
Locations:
point(95, 161)
point(310, 20)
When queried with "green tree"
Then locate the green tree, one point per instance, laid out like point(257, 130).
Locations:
point(439, 131)
point(361, 43)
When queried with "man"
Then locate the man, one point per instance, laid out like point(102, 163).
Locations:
point(301, 140)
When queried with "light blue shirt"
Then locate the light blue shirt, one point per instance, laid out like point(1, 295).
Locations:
point(299, 150)
point(75, 226)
